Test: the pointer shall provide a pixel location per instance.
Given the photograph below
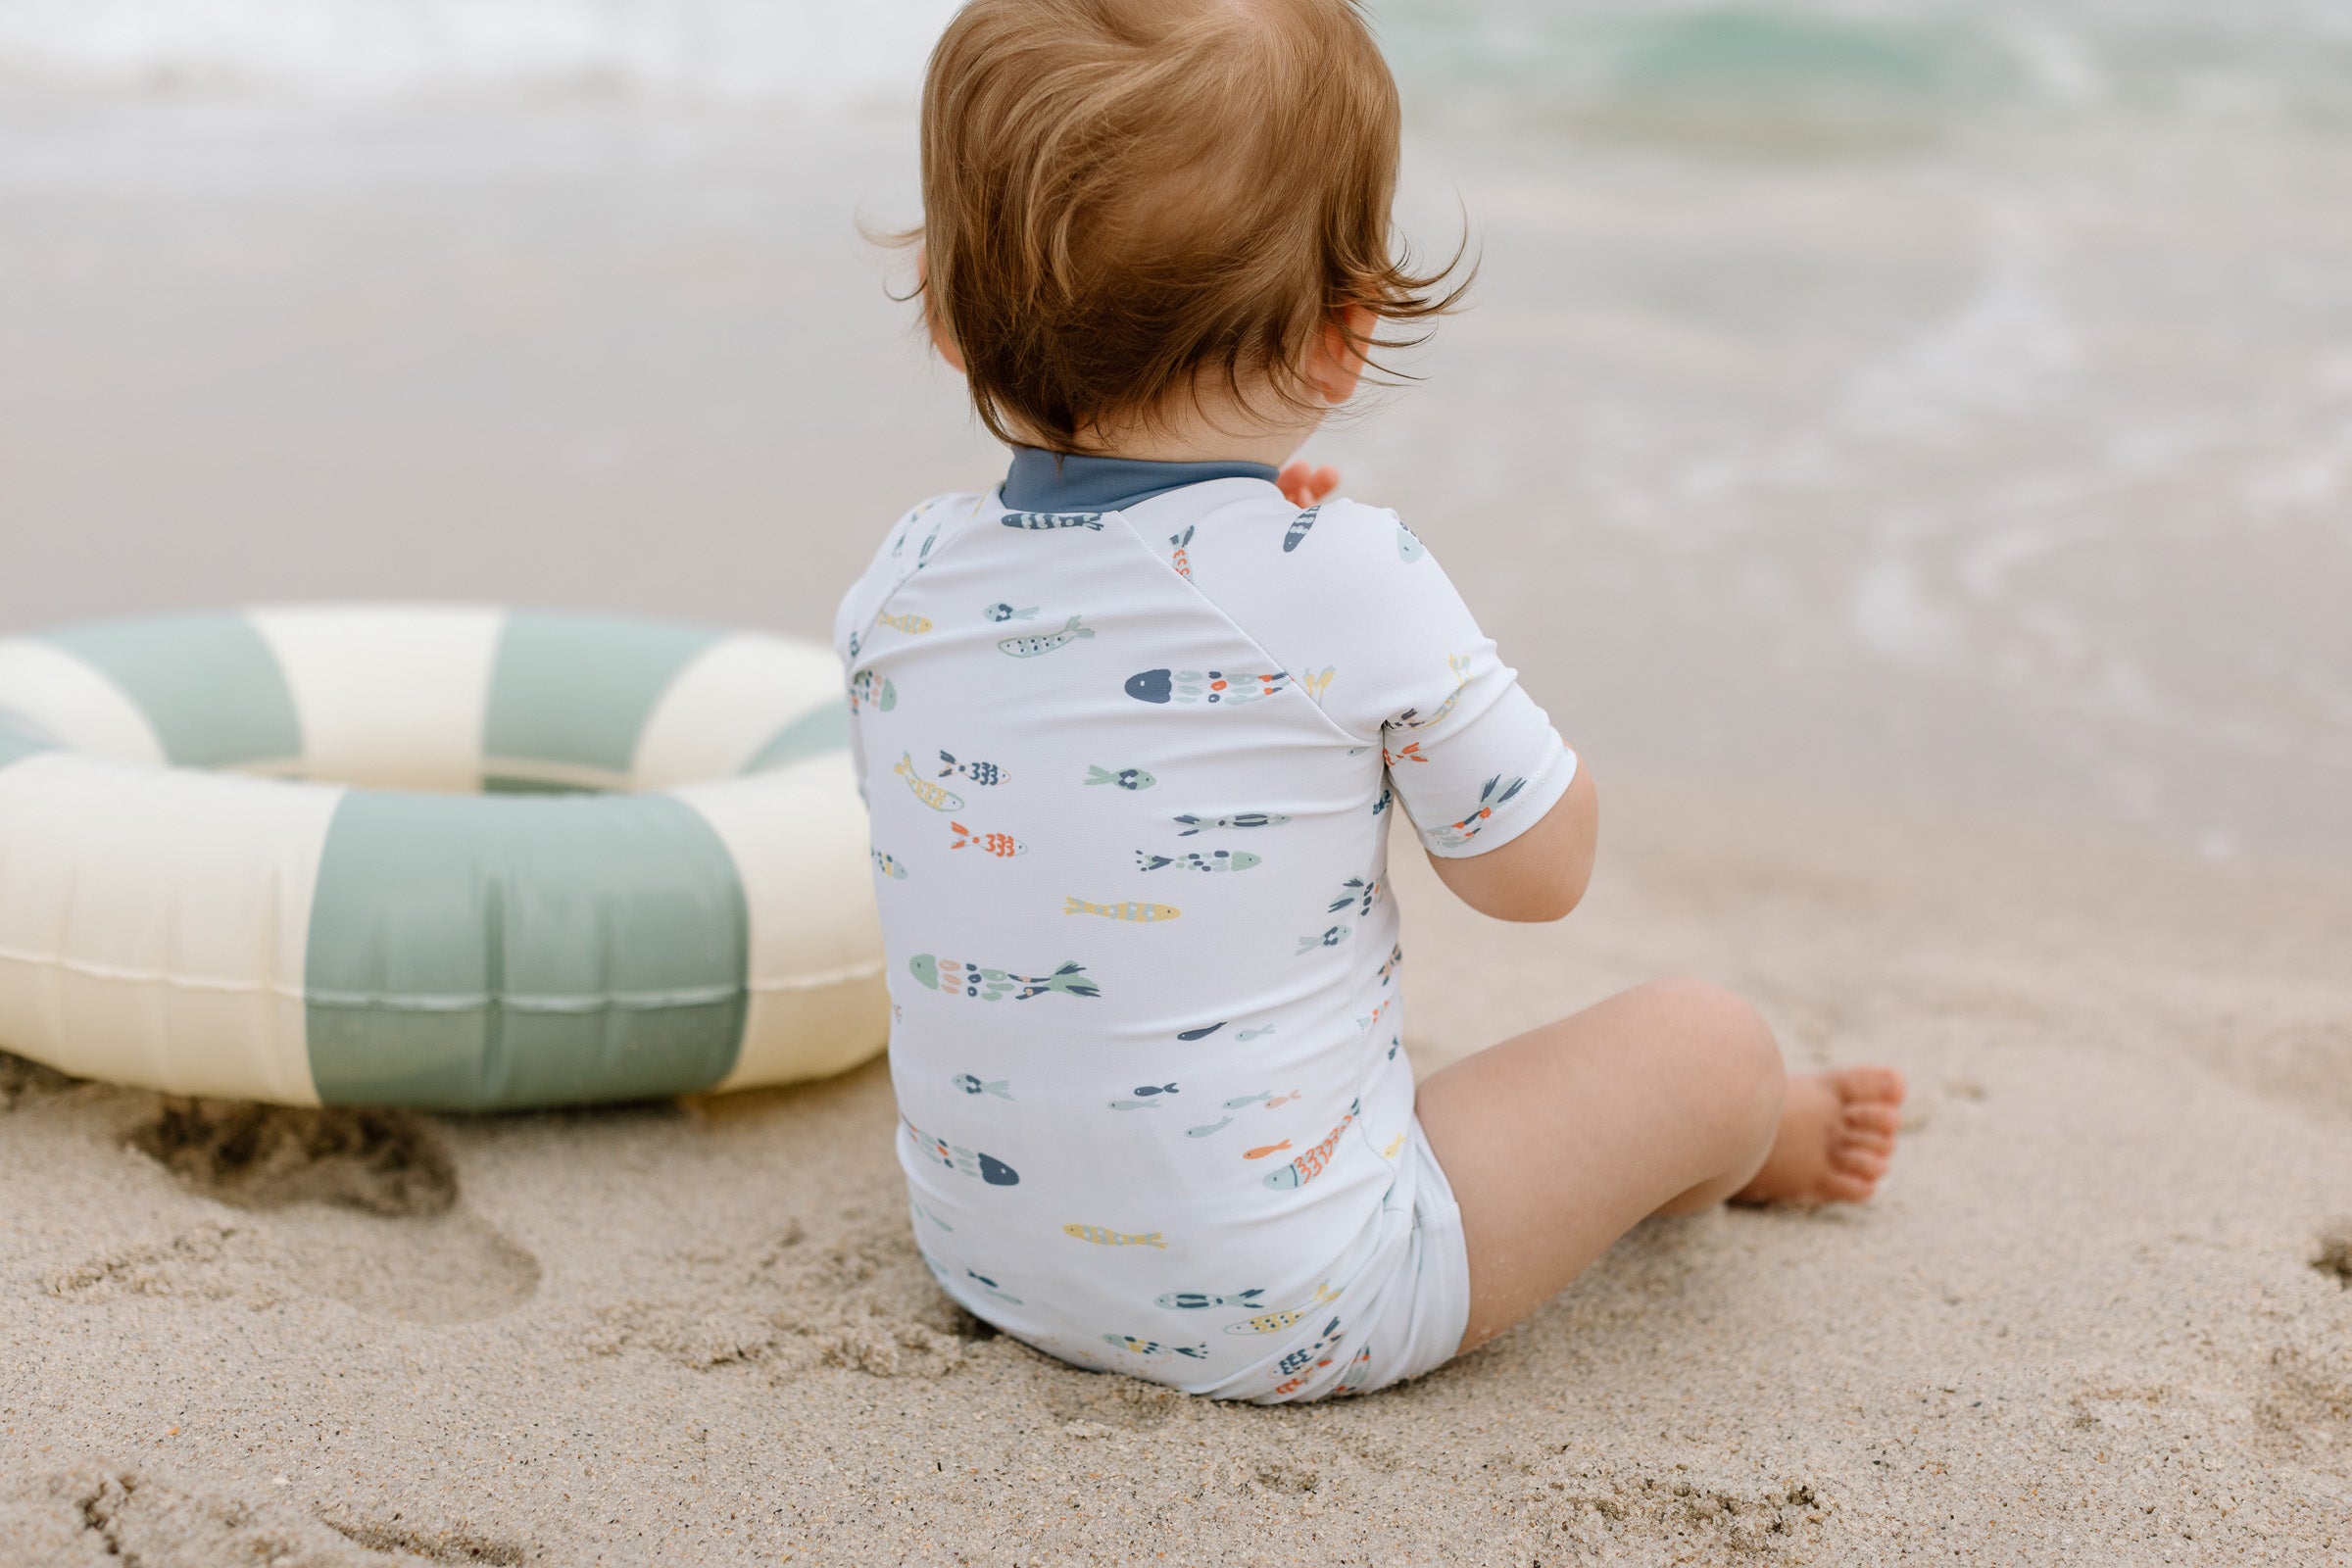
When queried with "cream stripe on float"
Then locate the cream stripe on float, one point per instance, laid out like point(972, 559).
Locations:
point(75, 701)
point(732, 699)
point(819, 1005)
point(392, 696)
point(154, 924)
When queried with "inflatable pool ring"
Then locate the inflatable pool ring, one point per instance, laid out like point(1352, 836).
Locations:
point(453, 857)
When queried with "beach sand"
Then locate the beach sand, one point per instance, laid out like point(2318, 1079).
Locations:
point(2098, 1314)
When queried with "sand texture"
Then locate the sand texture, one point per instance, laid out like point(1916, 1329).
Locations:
point(2100, 1313)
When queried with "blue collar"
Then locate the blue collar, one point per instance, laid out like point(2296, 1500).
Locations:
point(1048, 482)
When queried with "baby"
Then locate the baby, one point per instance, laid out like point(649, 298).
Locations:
point(1136, 724)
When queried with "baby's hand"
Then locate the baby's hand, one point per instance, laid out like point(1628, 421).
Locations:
point(1303, 486)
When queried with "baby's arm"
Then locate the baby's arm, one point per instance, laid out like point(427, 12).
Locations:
point(1540, 874)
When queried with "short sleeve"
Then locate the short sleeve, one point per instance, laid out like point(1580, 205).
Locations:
point(1372, 627)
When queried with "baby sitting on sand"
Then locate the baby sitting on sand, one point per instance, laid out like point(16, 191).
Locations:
point(1135, 726)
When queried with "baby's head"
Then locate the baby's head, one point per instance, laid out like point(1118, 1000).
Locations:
point(1143, 211)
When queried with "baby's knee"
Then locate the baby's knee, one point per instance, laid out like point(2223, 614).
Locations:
point(1731, 1045)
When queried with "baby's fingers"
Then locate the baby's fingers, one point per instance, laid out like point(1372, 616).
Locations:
point(1303, 486)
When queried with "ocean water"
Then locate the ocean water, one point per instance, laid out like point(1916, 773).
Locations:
point(1933, 403)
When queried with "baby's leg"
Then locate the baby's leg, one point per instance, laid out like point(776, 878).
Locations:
point(1660, 1101)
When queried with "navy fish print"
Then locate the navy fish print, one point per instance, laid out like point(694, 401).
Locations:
point(1043, 521)
point(1299, 527)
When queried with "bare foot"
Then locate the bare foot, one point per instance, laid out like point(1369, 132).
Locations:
point(1836, 1139)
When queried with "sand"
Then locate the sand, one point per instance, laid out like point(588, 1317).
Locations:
point(2099, 1313)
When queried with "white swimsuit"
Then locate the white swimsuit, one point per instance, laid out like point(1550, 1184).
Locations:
point(1132, 737)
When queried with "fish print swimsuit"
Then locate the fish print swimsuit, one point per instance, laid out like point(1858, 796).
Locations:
point(1133, 735)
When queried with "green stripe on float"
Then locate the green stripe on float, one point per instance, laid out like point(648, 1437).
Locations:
point(483, 953)
point(21, 738)
point(578, 688)
point(813, 734)
point(208, 684)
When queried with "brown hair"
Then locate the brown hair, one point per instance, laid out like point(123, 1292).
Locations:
point(1121, 196)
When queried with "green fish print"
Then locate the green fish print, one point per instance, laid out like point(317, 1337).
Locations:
point(1043, 642)
point(1211, 686)
point(1046, 521)
point(1356, 890)
point(973, 1084)
point(957, 1158)
point(1453, 835)
point(1194, 1300)
point(868, 689)
point(1329, 939)
point(925, 791)
point(1126, 779)
point(1408, 545)
point(992, 1288)
point(1128, 1341)
point(1002, 612)
point(888, 867)
point(1213, 860)
point(948, 977)
point(1203, 824)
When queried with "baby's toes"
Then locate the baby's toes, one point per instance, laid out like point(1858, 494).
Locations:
point(1873, 1117)
point(1848, 1187)
point(1867, 1163)
point(1876, 1086)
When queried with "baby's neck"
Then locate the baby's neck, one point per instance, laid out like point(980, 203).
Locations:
point(1216, 430)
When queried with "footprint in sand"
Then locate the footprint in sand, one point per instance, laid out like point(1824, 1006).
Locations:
point(362, 1205)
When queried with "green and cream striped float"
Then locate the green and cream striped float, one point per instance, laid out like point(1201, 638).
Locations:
point(561, 859)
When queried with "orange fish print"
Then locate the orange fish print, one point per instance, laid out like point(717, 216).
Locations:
point(1269, 1149)
point(1003, 845)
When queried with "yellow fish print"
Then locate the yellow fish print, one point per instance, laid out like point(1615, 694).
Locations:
point(1121, 911)
point(909, 622)
point(1315, 684)
point(1104, 1236)
point(1276, 1322)
point(1460, 664)
point(1395, 1143)
point(925, 791)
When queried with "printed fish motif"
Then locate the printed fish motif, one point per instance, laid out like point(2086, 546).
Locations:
point(1299, 1366)
point(995, 1172)
point(1395, 1143)
point(925, 791)
point(1378, 1013)
point(1315, 682)
point(1356, 890)
point(1212, 1127)
point(1253, 1034)
point(933, 1218)
point(971, 1084)
point(1104, 1236)
point(868, 689)
point(1210, 686)
point(1358, 1375)
point(992, 1288)
point(993, 985)
point(1201, 1033)
point(1240, 819)
point(1002, 612)
point(1044, 642)
point(1129, 911)
point(1298, 529)
point(1128, 1341)
point(1411, 753)
point(1003, 845)
point(1276, 1322)
point(1135, 1104)
point(1046, 521)
point(1194, 1300)
point(1250, 1099)
point(1493, 793)
point(1409, 548)
point(906, 622)
point(1329, 939)
point(1277, 1102)
point(1182, 561)
point(907, 526)
point(1213, 860)
point(1157, 1089)
point(1459, 663)
point(1381, 804)
point(982, 773)
point(1396, 962)
point(1263, 1151)
point(1314, 1161)
point(1394, 1042)
point(888, 866)
point(1126, 779)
